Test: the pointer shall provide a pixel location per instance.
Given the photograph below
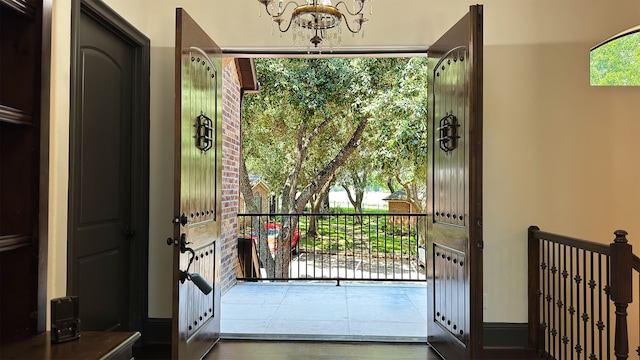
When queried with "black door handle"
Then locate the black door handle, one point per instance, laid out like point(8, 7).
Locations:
point(129, 232)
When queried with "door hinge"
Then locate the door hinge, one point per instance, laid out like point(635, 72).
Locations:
point(480, 244)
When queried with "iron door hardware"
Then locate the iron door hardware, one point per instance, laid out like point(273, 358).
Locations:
point(448, 133)
point(185, 275)
point(204, 133)
point(183, 242)
point(129, 232)
point(182, 220)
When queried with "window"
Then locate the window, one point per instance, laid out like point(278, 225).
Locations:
point(616, 62)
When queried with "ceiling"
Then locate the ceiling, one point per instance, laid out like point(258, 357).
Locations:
point(400, 25)
point(392, 24)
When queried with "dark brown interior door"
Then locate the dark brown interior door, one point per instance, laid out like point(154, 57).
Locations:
point(100, 181)
point(455, 186)
point(198, 171)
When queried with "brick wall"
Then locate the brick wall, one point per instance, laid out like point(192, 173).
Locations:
point(230, 172)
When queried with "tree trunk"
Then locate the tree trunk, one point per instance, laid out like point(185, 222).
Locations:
point(390, 186)
point(325, 207)
point(288, 225)
point(257, 228)
point(313, 220)
point(317, 204)
point(329, 171)
point(295, 205)
point(356, 202)
point(359, 183)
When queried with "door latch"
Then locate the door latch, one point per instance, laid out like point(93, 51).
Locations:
point(129, 232)
point(183, 242)
point(185, 275)
point(448, 133)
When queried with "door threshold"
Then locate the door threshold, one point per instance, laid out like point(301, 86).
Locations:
point(322, 337)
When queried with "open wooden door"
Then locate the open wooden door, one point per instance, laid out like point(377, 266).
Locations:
point(198, 171)
point(454, 209)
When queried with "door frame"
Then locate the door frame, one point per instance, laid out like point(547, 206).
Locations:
point(139, 249)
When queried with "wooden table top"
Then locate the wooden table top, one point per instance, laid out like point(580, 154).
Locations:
point(90, 345)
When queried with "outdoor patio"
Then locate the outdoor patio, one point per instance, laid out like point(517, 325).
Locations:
point(323, 311)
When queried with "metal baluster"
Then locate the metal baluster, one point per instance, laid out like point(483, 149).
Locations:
point(565, 339)
point(385, 247)
point(552, 304)
point(608, 294)
point(584, 298)
point(543, 287)
point(572, 306)
point(546, 299)
point(362, 243)
point(346, 246)
point(401, 249)
point(591, 318)
point(600, 305)
point(578, 279)
point(369, 246)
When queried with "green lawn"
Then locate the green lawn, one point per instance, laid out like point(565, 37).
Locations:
point(367, 233)
point(341, 231)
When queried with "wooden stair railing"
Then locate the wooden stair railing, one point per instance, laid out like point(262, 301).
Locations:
point(573, 284)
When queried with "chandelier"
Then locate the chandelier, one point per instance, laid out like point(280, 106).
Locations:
point(316, 21)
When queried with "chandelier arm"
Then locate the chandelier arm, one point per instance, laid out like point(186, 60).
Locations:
point(266, 7)
point(346, 8)
point(346, 22)
point(288, 26)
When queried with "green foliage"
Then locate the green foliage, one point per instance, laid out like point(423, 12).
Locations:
point(400, 109)
point(617, 62)
point(298, 95)
point(373, 233)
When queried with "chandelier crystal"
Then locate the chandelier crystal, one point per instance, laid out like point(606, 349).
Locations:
point(316, 22)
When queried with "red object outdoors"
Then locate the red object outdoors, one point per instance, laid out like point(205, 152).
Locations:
point(273, 230)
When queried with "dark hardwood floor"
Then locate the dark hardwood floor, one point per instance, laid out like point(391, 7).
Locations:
point(285, 350)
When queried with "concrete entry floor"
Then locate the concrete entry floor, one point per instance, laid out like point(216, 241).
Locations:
point(326, 312)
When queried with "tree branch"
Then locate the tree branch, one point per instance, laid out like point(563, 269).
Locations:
point(330, 169)
point(317, 130)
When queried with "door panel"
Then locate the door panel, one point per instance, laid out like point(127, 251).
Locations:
point(455, 179)
point(100, 183)
point(196, 313)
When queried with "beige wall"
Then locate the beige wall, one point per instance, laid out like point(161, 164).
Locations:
point(59, 149)
point(558, 153)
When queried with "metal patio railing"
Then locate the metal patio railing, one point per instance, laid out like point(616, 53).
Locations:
point(331, 247)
